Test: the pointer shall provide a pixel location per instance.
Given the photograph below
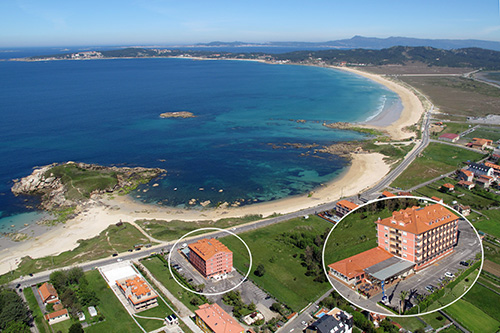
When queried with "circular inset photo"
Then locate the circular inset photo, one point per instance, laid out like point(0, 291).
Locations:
point(203, 264)
point(403, 256)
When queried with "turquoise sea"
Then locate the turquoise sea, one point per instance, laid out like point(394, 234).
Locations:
point(107, 112)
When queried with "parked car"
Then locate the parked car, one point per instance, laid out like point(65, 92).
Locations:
point(115, 254)
point(430, 288)
point(464, 263)
point(449, 275)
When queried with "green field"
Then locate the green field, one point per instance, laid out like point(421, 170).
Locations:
point(116, 317)
point(120, 239)
point(472, 317)
point(485, 299)
point(451, 294)
point(354, 234)
point(409, 323)
point(455, 128)
point(491, 226)
point(81, 182)
point(175, 229)
point(161, 272)
point(435, 160)
point(491, 133)
point(474, 198)
point(284, 276)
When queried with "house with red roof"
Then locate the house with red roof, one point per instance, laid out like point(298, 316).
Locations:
point(387, 194)
point(447, 187)
point(344, 206)
point(479, 143)
point(466, 184)
point(48, 293)
point(485, 181)
point(138, 292)
point(449, 137)
point(211, 318)
point(437, 199)
point(57, 316)
point(466, 175)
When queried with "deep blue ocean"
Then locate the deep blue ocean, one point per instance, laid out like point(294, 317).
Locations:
point(107, 112)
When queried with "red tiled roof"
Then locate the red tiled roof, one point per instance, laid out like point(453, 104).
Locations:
point(465, 182)
point(448, 185)
point(218, 320)
point(207, 248)
point(347, 204)
point(355, 265)
point(56, 314)
point(467, 173)
point(47, 290)
point(491, 165)
point(418, 220)
point(436, 198)
point(388, 194)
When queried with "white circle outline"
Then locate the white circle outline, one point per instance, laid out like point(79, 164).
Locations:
point(398, 197)
point(201, 293)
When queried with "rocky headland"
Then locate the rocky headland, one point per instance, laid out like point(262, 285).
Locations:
point(69, 184)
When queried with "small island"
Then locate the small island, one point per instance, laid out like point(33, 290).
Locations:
point(178, 114)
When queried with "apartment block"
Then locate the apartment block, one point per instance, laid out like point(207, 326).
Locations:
point(210, 257)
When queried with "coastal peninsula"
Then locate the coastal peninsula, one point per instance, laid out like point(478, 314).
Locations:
point(69, 184)
point(177, 114)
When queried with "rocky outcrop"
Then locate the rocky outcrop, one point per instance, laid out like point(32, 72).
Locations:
point(178, 114)
point(53, 189)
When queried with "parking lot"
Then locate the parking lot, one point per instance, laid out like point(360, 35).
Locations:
point(467, 247)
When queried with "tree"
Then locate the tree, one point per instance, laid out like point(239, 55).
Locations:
point(58, 280)
point(17, 327)
point(76, 328)
point(74, 275)
point(194, 301)
point(12, 308)
point(402, 298)
point(260, 271)
point(276, 307)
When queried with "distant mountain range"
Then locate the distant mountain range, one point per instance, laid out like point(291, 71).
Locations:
point(369, 43)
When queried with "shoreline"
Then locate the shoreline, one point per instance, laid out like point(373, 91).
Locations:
point(365, 171)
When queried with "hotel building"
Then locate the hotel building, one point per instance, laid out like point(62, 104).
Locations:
point(210, 257)
point(418, 234)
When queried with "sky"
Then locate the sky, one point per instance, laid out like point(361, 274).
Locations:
point(175, 22)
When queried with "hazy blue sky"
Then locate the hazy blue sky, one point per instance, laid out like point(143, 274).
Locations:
point(159, 22)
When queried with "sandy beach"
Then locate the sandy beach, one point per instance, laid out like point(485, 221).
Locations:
point(365, 171)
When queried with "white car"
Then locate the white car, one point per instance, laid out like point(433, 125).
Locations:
point(449, 275)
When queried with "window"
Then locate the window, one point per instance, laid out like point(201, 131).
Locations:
point(386, 241)
point(405, 241)
point(404, 233)
point(386, 227)
point(385, 235)
point(404, 255)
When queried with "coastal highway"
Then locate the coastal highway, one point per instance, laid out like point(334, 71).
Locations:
point(166, 246)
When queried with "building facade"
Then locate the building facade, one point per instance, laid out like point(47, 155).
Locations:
point(418, 234)
point(138, 292)
point(48, 293)
point(344, 206)
point(210, 257)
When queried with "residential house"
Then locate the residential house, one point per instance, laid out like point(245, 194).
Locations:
point(466, 175)
point(447, 187)
point(467, 184)
point(211, 318)
point(496, 168)
point(57, 316)
point(449, 137)
point(210, 257)
point(387, 194)
point(48, 293)
point(336, 321)
point(462, 209)
point(479, 143)
point(484, 181)
point(138, 292)
point(344, 206)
